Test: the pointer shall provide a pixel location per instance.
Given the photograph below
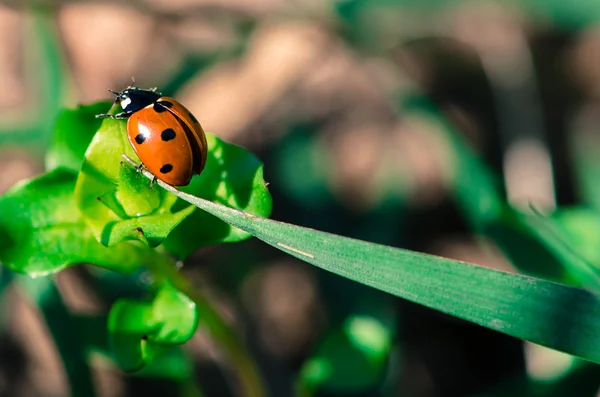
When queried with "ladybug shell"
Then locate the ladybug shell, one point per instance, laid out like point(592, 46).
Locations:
point(172, 147)
point(197, 137)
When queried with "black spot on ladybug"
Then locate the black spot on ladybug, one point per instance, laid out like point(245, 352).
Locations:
point(160, 107)
point(167, 134)
point(140, 138)
point(165, 169)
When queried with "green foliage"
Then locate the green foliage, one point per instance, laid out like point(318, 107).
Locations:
point(68, 337)
point(42, 232)
point(140, 330)
point(553, 315)
point(350, 358)
point(231, 177)
point(537, 245)
point(73, 132)
point(91, 208)
point(44, 50)
point(118, 205)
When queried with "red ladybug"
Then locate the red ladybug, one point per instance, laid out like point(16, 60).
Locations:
point(166, 136)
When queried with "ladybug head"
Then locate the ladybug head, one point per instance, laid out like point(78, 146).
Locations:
point(133, 99)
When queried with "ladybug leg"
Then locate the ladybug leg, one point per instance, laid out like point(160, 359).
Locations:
point(139, 167)
point(121, 115)
point(153, 182)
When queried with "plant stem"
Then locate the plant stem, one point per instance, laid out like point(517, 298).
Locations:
point(250, 383)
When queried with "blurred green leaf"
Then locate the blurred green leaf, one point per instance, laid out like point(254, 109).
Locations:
point(73, 132)
point(300, 149)
point(139, 331)
point(42, 293)
point(564, 243)
point(581, 226)
point(42, 231)
point(44, 73)
point(233, 177)
point(129, 351)
point(536, 247)
point(572, 15)
point(475, 187)
point(350, 358)
point(584, 148)
point(550, 314)
point(535, 244)
point(173, 364)
point(92, 329)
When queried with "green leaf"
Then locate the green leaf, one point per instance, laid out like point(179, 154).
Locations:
point(581, 228)
point(129, 351)
point(42, 231)
point(177, 315)
point(73, 132)
point(550, 314)
point(116, 203)
point(350, 358)
point(233, 177)
point(564, 243)
point(174, 364)
point(539, 246)
point(140, 331)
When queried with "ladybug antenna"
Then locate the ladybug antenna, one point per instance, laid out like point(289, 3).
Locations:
point(114, 92)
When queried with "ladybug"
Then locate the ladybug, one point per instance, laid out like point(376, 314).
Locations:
point(166, 136)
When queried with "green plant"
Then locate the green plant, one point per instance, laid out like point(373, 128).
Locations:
point(93, 207)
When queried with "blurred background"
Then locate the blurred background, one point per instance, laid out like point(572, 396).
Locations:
point(356, 108)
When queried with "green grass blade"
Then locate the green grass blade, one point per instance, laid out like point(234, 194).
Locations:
point(543, 312)
point(535, 244)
